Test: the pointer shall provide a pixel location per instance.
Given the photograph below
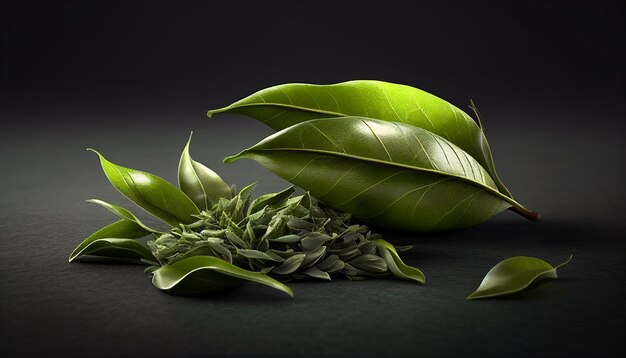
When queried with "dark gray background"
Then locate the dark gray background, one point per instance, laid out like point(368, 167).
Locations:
point(132, 80)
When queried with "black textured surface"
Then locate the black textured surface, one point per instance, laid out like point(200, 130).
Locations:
point(132, 81)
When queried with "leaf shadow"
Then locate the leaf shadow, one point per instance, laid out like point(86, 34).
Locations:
point(246, 294)
point(543, 289)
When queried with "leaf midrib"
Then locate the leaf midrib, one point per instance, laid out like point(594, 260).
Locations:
point(292, 106)
point(378, 161)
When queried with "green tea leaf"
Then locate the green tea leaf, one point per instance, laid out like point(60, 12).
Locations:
point(514, 275)
point(395, 264)
point(285, 105)
point(317, 273)
point(127, 249)
point(291, 238)
point(254, 254)
point(370, 263)
point(123, 229)
point(122, 213)
point(269, 199)
point(199, 274)
point(152, 193)
point(389, 174)
point(201, 184)
point(290, 265)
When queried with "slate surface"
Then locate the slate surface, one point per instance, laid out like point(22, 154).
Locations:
point(51, 307)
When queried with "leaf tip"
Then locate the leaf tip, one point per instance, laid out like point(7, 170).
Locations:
point(93, 150)
point(100, 156)
point(233, 158)
point(569, 259)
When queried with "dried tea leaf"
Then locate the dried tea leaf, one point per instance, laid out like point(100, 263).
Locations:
point(290, 265)
point(255, 254)
point(317, 273)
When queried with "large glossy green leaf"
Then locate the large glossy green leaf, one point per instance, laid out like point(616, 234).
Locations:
point(152, 193)
point(99, 244)
point(386, 173)
point(200, 183)
point(199, 274)
point(514, 275)
point(395, 264)
point(285, 105)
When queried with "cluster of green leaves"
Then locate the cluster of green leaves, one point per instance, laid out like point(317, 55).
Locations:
point(286, 237)
point(220, 238)
point(392, 155)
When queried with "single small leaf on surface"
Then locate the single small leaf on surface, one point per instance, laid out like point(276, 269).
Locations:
point(124, 228)
point(199, 274)
point(514, 275)
point(151, 193)
point(200, 183)
point(389, 174)
point(285, 105)
point(395, 264)
point(122, 213)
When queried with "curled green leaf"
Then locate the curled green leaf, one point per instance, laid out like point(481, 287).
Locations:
point(150, 192)
point(200, 183)
point(395, 264)
point(114, 248)
point(514, 275)
point(122, 213)
point(389, 174)
point(123, 229)
point(199, 274)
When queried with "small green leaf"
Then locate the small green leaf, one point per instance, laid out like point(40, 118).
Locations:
point(122, 213)
point(317, 273)
point(290, 265)
point(395, 264)
point(127, 249)
point(314, 240)
point(199, 274)
point(369, 263)
point(200, 183)
point(289, 239)
point(254, 254)
point(124, 228)
point(514, 275)
point(269, 199)
point(151, 193)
